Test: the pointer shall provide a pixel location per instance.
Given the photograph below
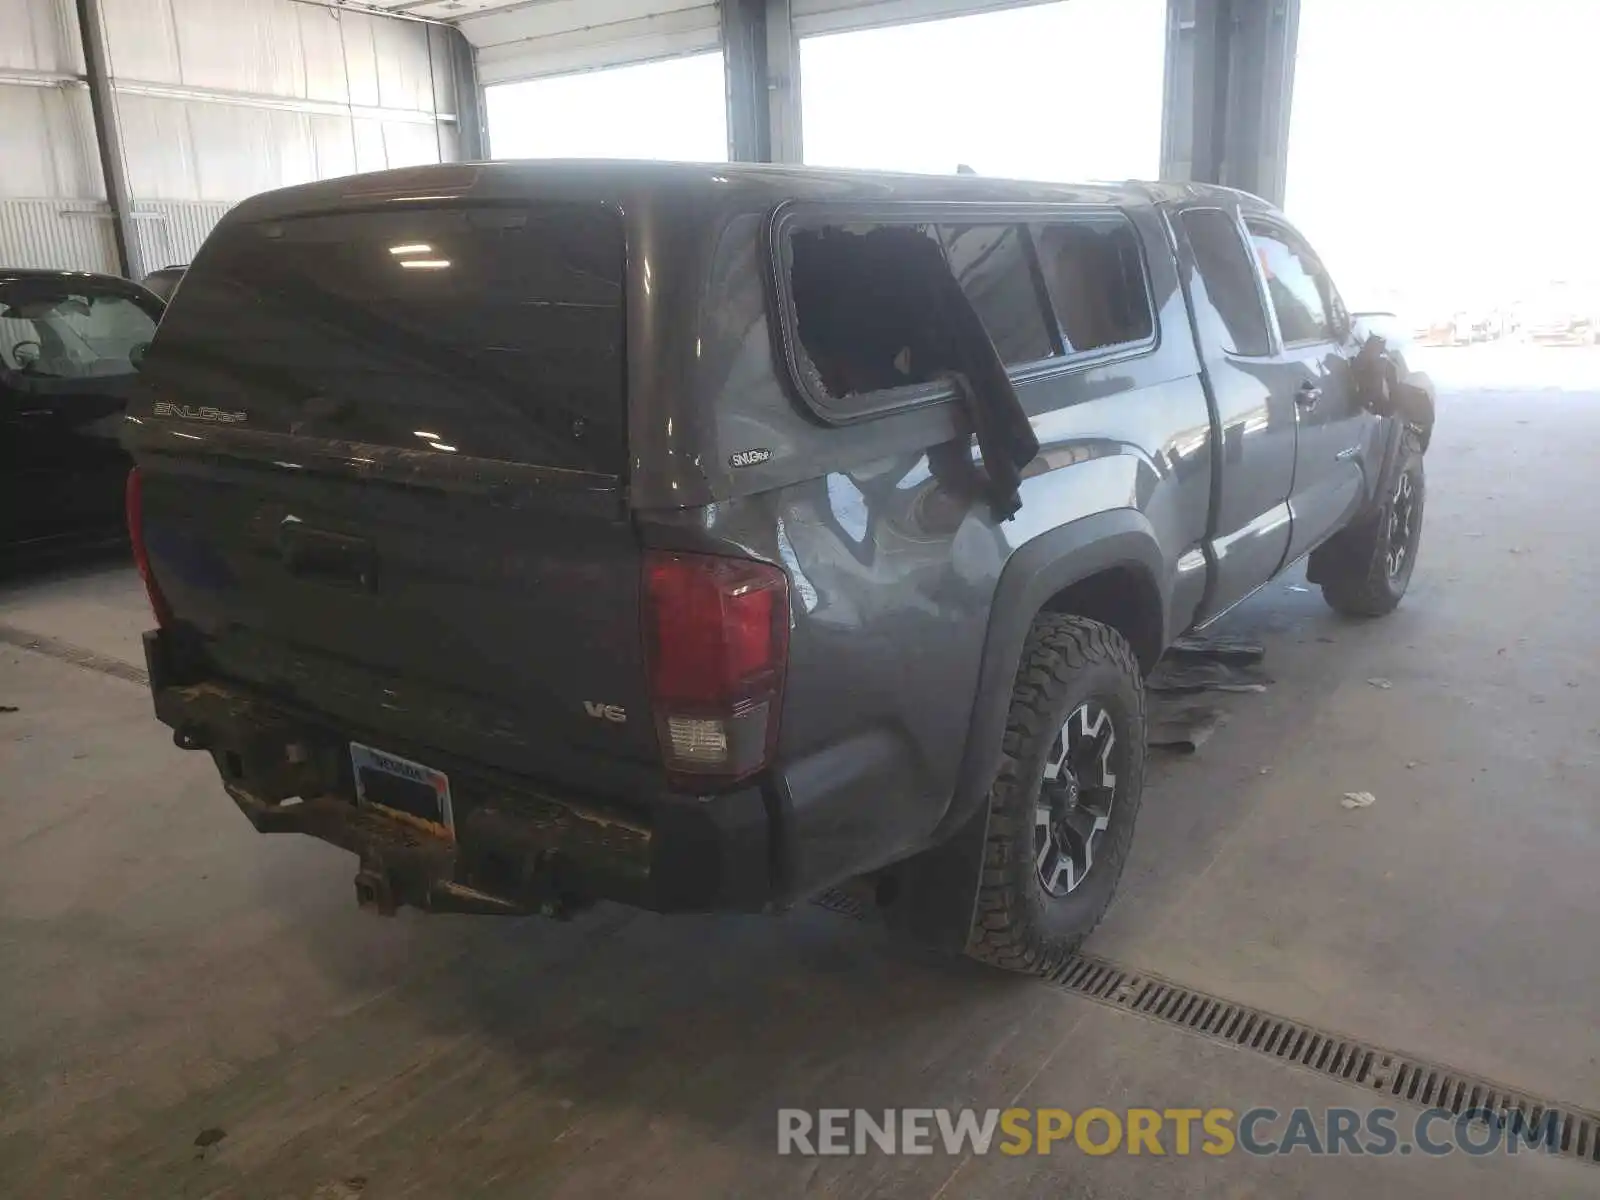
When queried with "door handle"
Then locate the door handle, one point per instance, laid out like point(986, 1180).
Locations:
point(322, 557)
point(1307, 396)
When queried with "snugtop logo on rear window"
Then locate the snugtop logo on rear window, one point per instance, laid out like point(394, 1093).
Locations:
point(204, 412)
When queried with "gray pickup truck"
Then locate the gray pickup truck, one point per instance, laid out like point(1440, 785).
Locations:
point(702, 537)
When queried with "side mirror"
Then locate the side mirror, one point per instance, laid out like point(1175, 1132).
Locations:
point(136, 355)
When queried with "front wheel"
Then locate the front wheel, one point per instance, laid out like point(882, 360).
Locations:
point(1062, 810)
point(1373, 573)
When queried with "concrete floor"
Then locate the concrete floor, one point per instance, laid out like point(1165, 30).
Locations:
point(168, 971)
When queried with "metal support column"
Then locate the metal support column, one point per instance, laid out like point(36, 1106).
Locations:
point(471, 132)
point(1229, 85)
point(762, 60)
point(108, 136)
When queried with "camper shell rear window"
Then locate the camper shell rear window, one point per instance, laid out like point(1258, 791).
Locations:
point(489, 331)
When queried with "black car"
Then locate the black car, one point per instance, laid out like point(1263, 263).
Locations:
point(70, 347)
point(703, 537)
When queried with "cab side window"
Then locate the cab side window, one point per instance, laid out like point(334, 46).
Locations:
point(1226, 295)
point(1301, 294)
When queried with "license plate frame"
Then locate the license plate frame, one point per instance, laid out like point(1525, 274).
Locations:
point(397, 787)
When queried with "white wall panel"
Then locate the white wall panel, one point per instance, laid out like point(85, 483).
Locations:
point(217, 100)
point(170, 232)
point(334, 145)
point(322, 49)
point(142, 40)
point(367, 136)
point(405, 78)
point(242, 45)
point(40, 35)
point(47, 146)
point(562, 36)
point(59, 235)
point(407, 144)
point(836, 16)
point(158, 148)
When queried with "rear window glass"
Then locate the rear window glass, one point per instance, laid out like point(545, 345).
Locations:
point(1095, 276)
point(496, 332)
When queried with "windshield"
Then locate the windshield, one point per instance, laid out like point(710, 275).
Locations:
point(51, 332)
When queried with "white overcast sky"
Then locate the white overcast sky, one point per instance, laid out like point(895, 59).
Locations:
point(1436, 146)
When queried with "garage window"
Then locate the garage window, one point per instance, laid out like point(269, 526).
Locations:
point(1096, 278)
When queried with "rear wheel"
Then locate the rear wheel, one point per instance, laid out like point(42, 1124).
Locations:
point(1375, 570)
point(1063, 808)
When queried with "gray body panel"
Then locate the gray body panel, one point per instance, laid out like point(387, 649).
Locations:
point(1173, 466)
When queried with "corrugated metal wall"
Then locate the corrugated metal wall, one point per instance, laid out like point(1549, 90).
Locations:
point(52, 199)
point(217, 100)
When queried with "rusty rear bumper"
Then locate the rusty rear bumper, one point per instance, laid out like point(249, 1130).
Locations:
point(519, 847)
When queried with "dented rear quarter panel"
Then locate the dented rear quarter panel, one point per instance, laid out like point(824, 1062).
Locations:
point(895, 557)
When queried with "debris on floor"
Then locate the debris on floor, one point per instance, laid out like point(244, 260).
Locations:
point(1382, 684)
point(1181, 727)
point(1358, 800)
point(1221, 648)
point(7, 708)
point(209, 1137)
point(1194, 665)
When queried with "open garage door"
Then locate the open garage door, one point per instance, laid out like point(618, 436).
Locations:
point(1431, 146)
point(673, 109)
point(1054, 91)
point(521, 40)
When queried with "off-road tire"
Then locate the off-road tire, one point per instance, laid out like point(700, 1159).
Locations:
point(1066, 661)
point(1361, 584)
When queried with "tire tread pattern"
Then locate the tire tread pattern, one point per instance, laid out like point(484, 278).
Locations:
point(1058, 646)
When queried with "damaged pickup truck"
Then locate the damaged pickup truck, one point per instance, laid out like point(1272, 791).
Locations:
point(700, 538)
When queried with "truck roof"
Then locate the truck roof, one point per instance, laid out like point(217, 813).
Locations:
point(674, 185)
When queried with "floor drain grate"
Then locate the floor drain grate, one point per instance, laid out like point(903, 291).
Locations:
point(837, 900)
point(1574, 1131)
point(76, 655)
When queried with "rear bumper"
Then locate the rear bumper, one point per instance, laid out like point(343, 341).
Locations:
point(519, 847)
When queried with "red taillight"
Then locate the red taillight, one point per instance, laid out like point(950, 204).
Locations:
point(717, 636)
point(141, 555)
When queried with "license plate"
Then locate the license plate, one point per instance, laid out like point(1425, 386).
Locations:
point(407, 791)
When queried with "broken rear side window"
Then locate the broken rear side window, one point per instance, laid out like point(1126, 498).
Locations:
point(864, 317)
point(867, 313)
point(866, 307)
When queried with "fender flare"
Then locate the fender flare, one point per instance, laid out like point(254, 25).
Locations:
point(935, 891)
